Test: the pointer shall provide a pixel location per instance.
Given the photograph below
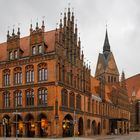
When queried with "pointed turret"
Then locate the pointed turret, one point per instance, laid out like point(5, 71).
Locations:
point(123, 83)
point(106, 47)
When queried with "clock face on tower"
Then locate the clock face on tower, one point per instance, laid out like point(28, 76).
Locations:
point(99, 66)
point(111, 64)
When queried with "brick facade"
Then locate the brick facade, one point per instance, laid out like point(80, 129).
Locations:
point(47, 89)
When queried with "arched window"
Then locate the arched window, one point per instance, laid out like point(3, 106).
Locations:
point(18, 98)
point(29, 73)
point(63, 73)
point(17, 75)
point(33, 50)
point(72, 99)
point(6, 77)
point(64, 97)
point(78, 101)
point(42, 96)
point(42, 72)
point(10, 55)
point(6, 99)
point(92, 106)
point(29, 97)
point(88, 104)
point(15, 54)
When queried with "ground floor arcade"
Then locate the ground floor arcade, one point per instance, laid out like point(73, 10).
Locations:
point(67, 125)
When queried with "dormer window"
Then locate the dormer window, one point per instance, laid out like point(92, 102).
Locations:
point(39, 49)
point(15, 54)
point(33, 50)
point(10, 55)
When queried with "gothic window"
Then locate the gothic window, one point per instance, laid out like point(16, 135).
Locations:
point(18, 98)
point(15, 54)
point(78, 101)
point(11, 55)
point(42, 72)
point(114, 79)
point(42, 96)
point(29, 73)
point(17, 75)
point(71, 99)
point(108, 79)
point(88, 124)
point(29, 97)
point(64, 97)
point(33, 50)
point(111, 79)
point(63, 73)
point(88, 104)
point(6, 77)
point(92, 106)
point(6, 99)
point(40, 49)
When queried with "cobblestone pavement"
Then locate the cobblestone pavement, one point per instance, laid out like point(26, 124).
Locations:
point(131, 136)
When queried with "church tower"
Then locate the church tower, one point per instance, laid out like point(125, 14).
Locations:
point(106, 68)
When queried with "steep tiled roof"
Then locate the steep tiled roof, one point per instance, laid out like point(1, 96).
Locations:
point(133, 84)
point(25, 45)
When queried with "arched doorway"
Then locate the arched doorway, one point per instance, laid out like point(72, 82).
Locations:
point(67, 125)
point(18, 125)
point(99, 128)
point(42, 125)
point(80, 126)
point(93, 127)
point(30, 125)
point(6, 126)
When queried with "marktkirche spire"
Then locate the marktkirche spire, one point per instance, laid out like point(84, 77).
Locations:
point(106, 47)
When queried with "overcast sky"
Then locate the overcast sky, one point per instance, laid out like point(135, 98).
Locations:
point(121, 16)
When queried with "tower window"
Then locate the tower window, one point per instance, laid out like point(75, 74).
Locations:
point(40, 49)
point(15, 54)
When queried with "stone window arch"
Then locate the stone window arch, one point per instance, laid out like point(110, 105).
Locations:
point(17, 75)
point(6, 77)
point(42, 72)
point(18, 98)
point(29, 73)
point(64, 97)
point(42, 96)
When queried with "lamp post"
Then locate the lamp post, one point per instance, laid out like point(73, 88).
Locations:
point(4, 122)
point(16, 113)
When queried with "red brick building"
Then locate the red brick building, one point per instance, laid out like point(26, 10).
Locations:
point(47, 89)
point(133, 87)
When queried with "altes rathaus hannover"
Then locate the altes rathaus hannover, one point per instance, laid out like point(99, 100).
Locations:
point(47, 89)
